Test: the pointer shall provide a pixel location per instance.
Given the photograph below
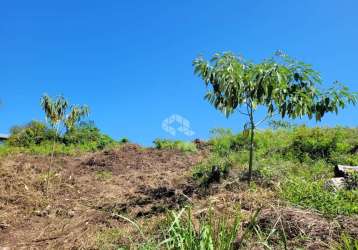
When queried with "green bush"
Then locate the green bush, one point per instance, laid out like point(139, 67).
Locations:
point(179, 145)
point(33, 133)
point(37, 138)
point(315, 143)
point(124, 140)
point(87, 133)
point(332, 144)
point(224, 142)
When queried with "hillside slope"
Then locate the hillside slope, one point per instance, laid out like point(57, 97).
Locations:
point(88, 193)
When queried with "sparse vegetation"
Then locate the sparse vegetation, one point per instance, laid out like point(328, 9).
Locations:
point(182, 231)
point(103, 175)
point(179, 145)
point(292, 165)
point(346, 243)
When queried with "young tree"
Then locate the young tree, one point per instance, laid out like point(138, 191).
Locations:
point(59, 114)
point(280, 84)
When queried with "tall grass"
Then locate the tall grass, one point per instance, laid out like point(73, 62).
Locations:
point(182, 231)
point(346, 243)
point(211, 233)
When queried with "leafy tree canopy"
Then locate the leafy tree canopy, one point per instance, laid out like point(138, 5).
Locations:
point(58, 111)
point(282, 84)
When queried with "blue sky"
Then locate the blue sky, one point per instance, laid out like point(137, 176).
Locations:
point(130, 61)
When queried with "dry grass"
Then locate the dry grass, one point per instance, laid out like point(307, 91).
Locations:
point(81, 209)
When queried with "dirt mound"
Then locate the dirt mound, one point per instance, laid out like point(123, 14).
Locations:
point(86, 193)
point(298, 223)
point(132, 157)
point(349, 225)
point(148, 202)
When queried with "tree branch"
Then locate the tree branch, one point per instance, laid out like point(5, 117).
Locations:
point(243, 113)
point(263, 120)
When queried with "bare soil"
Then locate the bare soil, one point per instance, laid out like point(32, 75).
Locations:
point(87, 193)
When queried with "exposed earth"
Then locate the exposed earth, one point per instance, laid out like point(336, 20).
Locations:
point(87, 193)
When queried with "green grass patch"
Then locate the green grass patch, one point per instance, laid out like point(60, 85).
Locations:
point(103, 175)
point(312, 194)
point(45, 148)
point(109, 239)
point(346, 243)
point(178, 145)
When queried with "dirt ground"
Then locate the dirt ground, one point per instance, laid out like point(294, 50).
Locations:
point(87, 193)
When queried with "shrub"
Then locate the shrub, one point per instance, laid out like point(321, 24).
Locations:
point(332, 144)
point(124, 140)
point(314, 143)
point(179, 145)
point(87, 133)
point(33, 133)
point(35, 137)
point(224, 141)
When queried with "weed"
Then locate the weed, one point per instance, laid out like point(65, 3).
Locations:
point(103, 175)
point(182, 232)
point(203, 172)
point(352, 181)
point(212, 233)
point(179, 145)
point(109, 239)
point(346, 243)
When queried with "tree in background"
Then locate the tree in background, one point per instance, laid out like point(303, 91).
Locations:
point(280, 84)
point(59, 114)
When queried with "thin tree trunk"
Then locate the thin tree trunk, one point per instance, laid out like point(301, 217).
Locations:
point(252, 134)
point(51, 159)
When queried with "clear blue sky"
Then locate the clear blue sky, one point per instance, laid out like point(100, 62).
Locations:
point(130, 61)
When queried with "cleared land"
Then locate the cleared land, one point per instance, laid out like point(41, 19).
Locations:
point(87, 194)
